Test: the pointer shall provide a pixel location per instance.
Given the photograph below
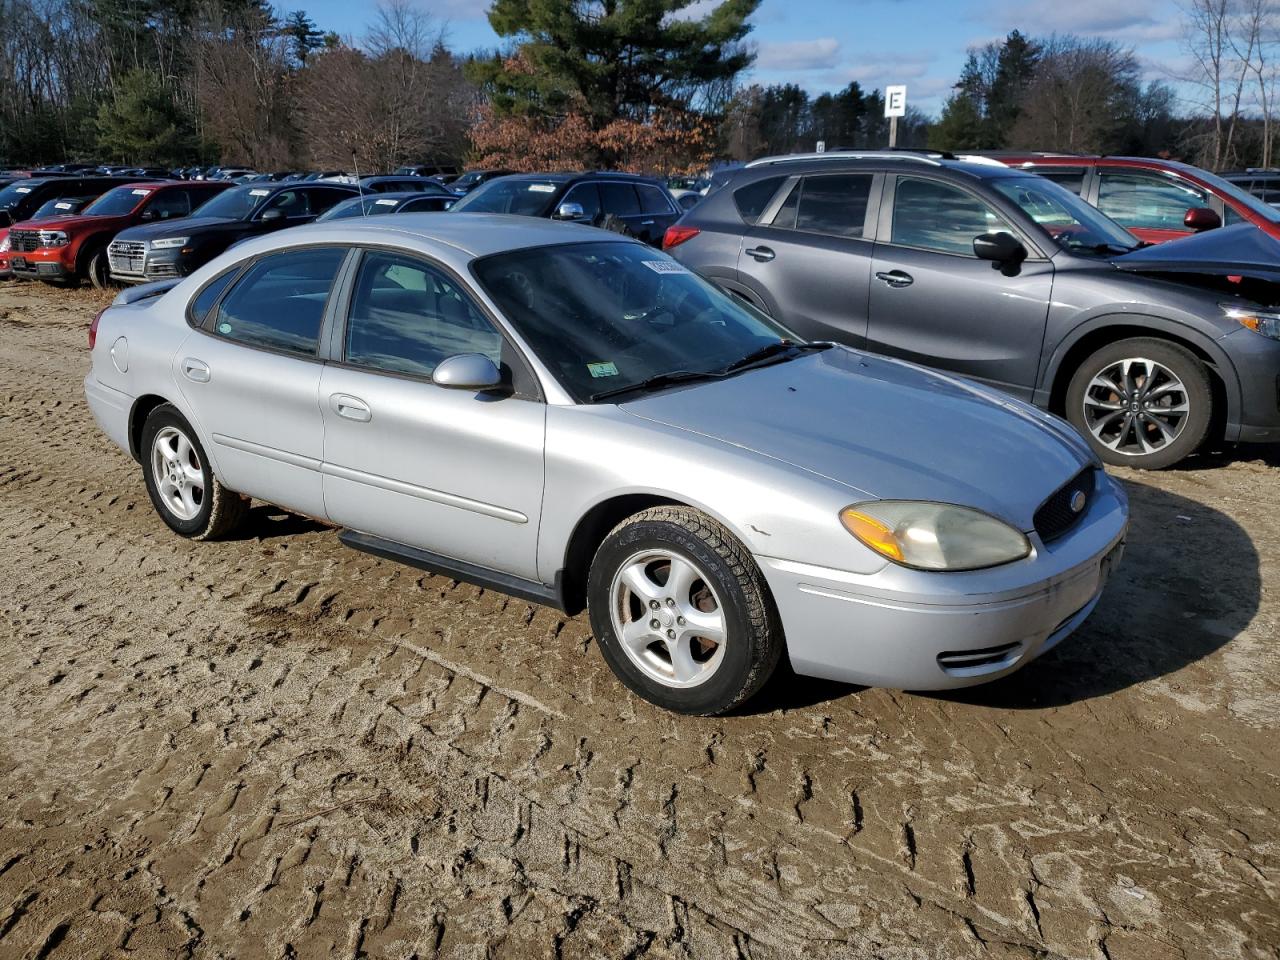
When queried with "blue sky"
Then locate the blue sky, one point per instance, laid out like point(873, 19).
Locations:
point(823, 44)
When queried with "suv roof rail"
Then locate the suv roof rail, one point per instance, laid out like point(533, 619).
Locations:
point(931, 157)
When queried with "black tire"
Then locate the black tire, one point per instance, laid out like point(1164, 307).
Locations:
point(753, 634)
point(220, 510)
point(97, 269)
point(1150, 450)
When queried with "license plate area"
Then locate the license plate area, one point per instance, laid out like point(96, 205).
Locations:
point(18, 263)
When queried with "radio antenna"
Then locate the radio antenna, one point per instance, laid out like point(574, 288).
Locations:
point(355, 165)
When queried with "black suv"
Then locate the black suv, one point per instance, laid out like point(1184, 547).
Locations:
point(641, 205)
point(159, 251)
point(22, 198)
point(1008, 278)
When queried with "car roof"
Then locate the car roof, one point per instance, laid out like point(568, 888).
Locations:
point(878, 160)
point(567, 176)
point(455, 238)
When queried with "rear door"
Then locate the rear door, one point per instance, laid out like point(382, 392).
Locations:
point(808, 259)
point(934, 302)
point(657, 212)
point(251, 375)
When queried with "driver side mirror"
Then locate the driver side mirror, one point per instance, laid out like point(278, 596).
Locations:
point(570, 211)
point(1002, 248)
point(1201, 218)
point(467, 371)
point(274, 215)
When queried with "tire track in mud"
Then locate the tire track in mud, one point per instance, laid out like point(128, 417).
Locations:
point(278, 734)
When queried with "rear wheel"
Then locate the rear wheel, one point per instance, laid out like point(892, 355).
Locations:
point(682, 612)
point(180, 482)
point(1143, 403)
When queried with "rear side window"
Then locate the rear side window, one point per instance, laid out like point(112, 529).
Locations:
point(652, 200)
point(835, 205)
point(207, 297)
point(619, 199)
point(280, 302)
point(752, 199)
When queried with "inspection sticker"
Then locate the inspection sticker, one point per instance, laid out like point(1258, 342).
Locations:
point(664, 266)
point(604, 368)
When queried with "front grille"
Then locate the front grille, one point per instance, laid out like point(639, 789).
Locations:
point(1056, 516)
point(23, 241)
point(126, 256)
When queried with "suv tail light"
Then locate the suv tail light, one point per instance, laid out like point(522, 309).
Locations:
point(93, 327)
point(677, 235)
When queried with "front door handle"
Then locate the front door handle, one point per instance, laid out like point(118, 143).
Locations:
point(195, 370)
point(761, 254)
point(896, 278)
point(353, 408)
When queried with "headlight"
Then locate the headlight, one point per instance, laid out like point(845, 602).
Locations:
point(51, 238)
point(4, 244)
point(168, 242)
point(1265, 322)
point(934, 536)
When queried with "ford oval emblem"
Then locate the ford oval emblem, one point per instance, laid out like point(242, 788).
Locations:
point(1078, 501)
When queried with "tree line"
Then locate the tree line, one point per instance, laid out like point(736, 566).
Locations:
point(653, 85)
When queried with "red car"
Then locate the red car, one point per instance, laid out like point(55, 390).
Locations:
point(1156, 200)
point(67, 249)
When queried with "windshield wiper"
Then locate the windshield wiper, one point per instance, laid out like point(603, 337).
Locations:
point(656, 381)
point(771, 350)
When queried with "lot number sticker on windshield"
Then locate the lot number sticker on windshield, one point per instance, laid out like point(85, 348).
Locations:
point(542, 188)
point(603, 368)
point(664, 266)
point(258, 193)
point(141, 193)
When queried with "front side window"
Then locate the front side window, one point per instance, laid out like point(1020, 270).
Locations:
point(1070, 177)
point(168, 204)
point(1145, 202)
point(937, 216)
point(292, 203)
point(606, 316)
point(279, 302)
point(406, 316)
point(586, 195)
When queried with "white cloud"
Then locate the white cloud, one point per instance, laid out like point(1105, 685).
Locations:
point(820, 54)
point(1132, 21)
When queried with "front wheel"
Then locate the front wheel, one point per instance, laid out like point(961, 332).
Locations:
point(1142, 403)
point(682, 613)
point(182, 485)
point(97, 269)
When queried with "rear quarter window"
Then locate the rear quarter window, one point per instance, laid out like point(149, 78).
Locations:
point(752, 199)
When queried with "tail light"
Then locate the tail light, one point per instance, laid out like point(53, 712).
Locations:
point(677, 235)
point(93, 327)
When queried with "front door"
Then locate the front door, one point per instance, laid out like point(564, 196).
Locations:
point(252, 379)
point(935, 303)
point(451, 472)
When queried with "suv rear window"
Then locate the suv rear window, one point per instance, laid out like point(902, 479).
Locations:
point(754, 197)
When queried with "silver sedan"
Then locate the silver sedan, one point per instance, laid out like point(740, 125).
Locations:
point(574, 418)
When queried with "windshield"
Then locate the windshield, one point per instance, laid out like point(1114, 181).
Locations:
point(1073, 224)
point(607, 316)
point(1239, 195)
point(361, 207)
point(117, 202)
point(529, 198)
point(234, 204)
point(62, 207)
point(14, 193)
point(468, 178)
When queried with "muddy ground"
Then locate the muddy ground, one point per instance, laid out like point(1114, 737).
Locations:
point(276, 747)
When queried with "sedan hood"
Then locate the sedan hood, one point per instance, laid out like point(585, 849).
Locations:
point(888, 429)
point(180, 227)
point(1240, 250)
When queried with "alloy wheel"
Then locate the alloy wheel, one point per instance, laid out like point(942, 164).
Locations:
point(668, 618)
point(178, 475)
point(1136, 406)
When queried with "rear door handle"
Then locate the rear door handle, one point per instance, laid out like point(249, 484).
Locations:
point(761, 254)
point(195, 370)
point(896, 278)
point(353, 408)
point(646, 223)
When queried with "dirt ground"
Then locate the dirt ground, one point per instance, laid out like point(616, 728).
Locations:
point(276, 747)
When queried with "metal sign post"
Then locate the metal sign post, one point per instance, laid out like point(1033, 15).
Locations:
point(895, 106)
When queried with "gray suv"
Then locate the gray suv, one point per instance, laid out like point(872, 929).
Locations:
point(1010, 279)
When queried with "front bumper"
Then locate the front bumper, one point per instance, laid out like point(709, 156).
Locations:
point(140, 265)
point(915, 630)
point(111, 408)
point(1257, 362)
point(39, 265)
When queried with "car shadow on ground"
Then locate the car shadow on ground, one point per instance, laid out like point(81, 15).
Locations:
point(1190, 581)
point(265, 522)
